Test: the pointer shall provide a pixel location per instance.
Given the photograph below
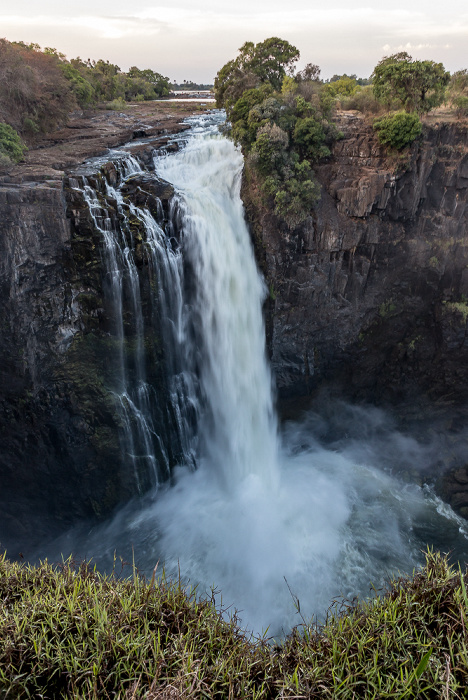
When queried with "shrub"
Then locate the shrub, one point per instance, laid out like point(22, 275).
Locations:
point(362, 100)
point(11, 145)
point(398, 130)
point(460, 102)
point(117, 105)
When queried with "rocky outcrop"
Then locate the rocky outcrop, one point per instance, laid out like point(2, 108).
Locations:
point(372, 292)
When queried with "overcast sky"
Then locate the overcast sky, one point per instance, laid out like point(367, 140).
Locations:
point(193, 40)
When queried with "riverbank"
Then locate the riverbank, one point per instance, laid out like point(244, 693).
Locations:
point(91, 133)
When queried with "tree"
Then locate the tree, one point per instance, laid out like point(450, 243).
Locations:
point(418, 85)
point(11, 146)
point(266, 62)
point(159, 83)
point(458, 92)
point(310, 72)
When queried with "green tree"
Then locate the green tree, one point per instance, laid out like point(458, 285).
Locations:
point(310, 136)
point(266, 62)
point(281, 122)
point(458, 92)
point(159, 83)
point(418, 85)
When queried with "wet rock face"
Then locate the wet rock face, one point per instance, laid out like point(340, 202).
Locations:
point(60, 425)
point(372, 292)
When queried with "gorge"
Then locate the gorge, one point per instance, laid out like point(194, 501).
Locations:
point(116, 310)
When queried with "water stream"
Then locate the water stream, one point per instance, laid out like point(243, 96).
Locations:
point(267, 518)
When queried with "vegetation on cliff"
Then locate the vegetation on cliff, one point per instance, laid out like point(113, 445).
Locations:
point(68, 631)
point(398, 130)
point(458, 92)
point(418, 85)
point(282, 122)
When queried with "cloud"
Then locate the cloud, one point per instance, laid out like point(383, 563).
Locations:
point(413, 47)
point(101, 26)
point(150, 21)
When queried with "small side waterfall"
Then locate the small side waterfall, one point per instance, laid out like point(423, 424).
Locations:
point(149, 453)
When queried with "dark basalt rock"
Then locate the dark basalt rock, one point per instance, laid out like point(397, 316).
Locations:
point(372, 289)
point(60, 425)
point(147, 190)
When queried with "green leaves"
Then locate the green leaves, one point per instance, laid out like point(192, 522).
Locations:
point(418, 85)
point(11, 146)
point(264, 63)
point(398, 130)
point(281, 131)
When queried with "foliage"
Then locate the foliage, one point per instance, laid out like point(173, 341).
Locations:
point(81, 88)
point(190, 85)
point(282, 122)
point(458, 92)
point(363, 100)
point(67, 631)
point(309, 135)
point(38, 88)
point(460, 102)
point(418, 85)
point(398, 130)
point(159, 84)
point(342, 86)
point(34, 94)
point(116, 105)
point(310, 73)
point(266, 62)
point(11, 146)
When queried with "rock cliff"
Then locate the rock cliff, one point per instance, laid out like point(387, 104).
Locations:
point(372, 292)
point(60, 427)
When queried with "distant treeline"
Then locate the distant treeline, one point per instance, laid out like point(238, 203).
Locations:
point(189, 85)
point(39, 87)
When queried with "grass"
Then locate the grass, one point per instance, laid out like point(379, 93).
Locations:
point(68, 631)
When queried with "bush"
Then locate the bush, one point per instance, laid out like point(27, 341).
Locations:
point(460, 102)
point(11, 145)
point(398, 130)
point(363, 101)
point(117, 105)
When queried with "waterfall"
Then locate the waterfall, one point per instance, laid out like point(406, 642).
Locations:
point(238, 426)
point(266, 521)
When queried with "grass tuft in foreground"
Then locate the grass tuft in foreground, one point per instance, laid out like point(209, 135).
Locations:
point(70, 632)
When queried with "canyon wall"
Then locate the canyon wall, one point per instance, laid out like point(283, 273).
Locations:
point(61, 454)
point(372, 291)
point(369, 296)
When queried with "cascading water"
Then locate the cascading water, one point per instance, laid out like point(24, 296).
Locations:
point(142, 445)
point(238, 427)
point(266, 522)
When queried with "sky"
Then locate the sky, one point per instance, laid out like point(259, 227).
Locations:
point(192, 41)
